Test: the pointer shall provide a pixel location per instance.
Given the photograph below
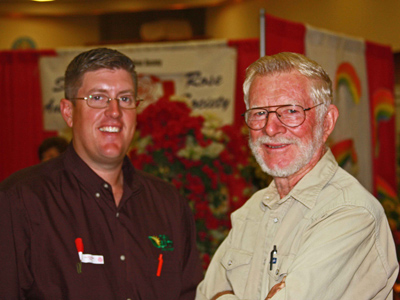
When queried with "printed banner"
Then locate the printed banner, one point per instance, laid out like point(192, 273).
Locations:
point(201, 73)
point(362, 77)
point(344, 60)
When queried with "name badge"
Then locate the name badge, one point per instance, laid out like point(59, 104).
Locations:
point(92, 259)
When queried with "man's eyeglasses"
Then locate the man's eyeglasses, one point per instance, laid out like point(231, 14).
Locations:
point(289, 115)
point(102, 101)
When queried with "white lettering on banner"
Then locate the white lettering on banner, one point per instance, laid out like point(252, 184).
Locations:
point(202, 72)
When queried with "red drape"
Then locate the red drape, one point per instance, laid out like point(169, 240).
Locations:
point(21, 124)
point(248, 51)
point(284, 36)
point(380, 69)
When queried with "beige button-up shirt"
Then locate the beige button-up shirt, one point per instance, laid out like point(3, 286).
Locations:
point(332, 240)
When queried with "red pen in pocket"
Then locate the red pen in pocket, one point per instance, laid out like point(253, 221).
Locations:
point(79, 247)
point(160, 263)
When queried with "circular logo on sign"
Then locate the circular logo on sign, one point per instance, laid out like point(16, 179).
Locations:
point(23, 43)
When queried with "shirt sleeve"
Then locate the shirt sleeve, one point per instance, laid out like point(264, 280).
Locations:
point(14, 271)
point(215, 280)
point(342, 257)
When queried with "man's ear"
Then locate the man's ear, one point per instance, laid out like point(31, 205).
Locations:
point(67, 111)
point(330, 120)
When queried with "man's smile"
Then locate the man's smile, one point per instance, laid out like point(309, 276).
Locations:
point(113, 129)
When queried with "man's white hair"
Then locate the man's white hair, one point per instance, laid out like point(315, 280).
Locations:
point(320, 88)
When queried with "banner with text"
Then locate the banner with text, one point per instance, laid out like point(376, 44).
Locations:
point(203, 74)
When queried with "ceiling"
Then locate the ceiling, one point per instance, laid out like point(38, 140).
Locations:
point(95, 7)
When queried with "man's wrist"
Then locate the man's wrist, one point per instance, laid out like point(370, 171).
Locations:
point(218, 295)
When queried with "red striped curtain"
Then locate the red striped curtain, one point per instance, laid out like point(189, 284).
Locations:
point(21, 124)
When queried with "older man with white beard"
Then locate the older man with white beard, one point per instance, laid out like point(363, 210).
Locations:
point(315, 232)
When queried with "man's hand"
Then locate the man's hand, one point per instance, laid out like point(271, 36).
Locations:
point(221, 294)
point(276, 288)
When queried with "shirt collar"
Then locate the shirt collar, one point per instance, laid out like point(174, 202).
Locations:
point(88, 178)
point(306, 191)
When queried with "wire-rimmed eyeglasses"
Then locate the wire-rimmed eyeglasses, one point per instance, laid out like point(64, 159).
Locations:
point(289, 115)
point(102, 101)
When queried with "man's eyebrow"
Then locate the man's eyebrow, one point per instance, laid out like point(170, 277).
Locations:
point(280, 105)
point(100, 90)
point(97, 90)
point(131, 91)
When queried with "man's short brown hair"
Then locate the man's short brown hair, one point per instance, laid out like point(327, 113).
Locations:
point(93, 60)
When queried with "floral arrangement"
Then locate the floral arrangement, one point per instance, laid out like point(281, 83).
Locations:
point(210, 165)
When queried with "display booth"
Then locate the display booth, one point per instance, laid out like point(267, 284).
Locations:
point(190, 130)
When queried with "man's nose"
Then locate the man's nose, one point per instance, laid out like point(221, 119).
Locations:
point(273, 125)
point(113, 109)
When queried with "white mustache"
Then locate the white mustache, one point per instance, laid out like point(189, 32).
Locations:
point(276, 140)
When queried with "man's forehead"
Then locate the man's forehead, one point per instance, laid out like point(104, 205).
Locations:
point(105, 74)
point(280, 89)
point(90, 73)
point(285, 82)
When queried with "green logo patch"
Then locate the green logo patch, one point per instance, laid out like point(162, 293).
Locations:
point(162, 242)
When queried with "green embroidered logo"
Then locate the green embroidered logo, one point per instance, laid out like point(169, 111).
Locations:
point(162, 242)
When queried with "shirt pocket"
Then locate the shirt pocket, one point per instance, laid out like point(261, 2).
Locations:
point(237, 264)
point(281, 268)
point(163, 280)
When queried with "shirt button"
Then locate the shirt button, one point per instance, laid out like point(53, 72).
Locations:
point(105, 186)
point(97, 195)
point(276, 220)
point(117, 214)
point(229, 263)
point(277, 272)
point(122, 257)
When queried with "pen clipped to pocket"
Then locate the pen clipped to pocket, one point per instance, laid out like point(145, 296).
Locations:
point(279, 263)
point(273, 258)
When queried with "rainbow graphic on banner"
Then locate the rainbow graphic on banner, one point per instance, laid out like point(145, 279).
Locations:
point(345, 154)
point(383, 111)
point(346, 75)
point(384, 190)
point(383, 102)
point(387, 195)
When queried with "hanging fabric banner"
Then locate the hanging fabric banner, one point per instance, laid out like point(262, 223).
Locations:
point(203, 74)
point(343, 58)
point(360, 72)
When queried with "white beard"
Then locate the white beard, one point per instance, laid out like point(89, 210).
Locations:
point(305, 154)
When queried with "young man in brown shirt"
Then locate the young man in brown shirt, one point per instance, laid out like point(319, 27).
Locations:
point(87, 225)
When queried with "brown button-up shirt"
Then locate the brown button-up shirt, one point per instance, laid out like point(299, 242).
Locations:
point(143, 249)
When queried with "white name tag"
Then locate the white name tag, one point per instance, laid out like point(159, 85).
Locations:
point(92, 259)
